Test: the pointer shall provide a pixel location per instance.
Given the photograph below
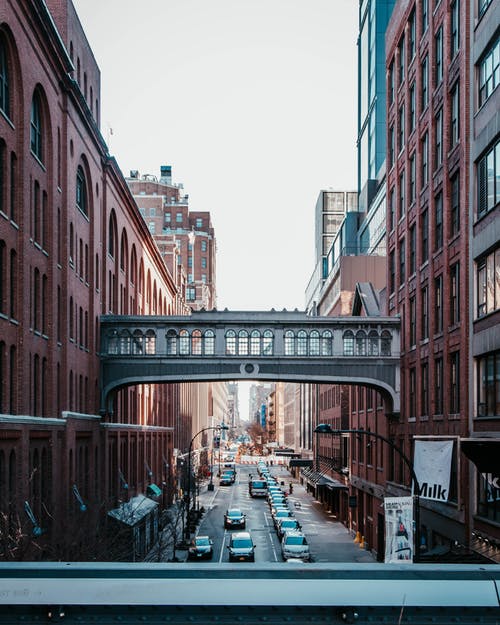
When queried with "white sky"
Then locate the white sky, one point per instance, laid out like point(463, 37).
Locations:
point(253, 103)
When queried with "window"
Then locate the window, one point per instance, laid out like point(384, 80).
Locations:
point(392, 272)
point(425, 15)
point(209, 342)
point(455, 204)
point(438, 388)
point(392, 209)
point(425, 313)
point(243, 343)
point(401, 49)
point(489, 72)
point(401, 135)
point(199, 222)
point(203, 262)
point(4, 78)
point(438, 55)
point(402, 262)
point(255, 343)
point(438, 304)
point(348, 340)
point(178, 218)
point(483, 5)
point(454, 383)
point(302, 343)
point(168, 218)
point(152, 227)
point(191, 293)
point(81, 194)
point(231, 342)
point(455, 294)
point(455, 28)
point(438, 221)
point(36, 127)
point(391, 146)
point(488, 283)
point(438, 154)
point(152, 212)
point(413, 174)
point(424, 389)
point(488, 180)
point(425, 82)
point(203, 246)
point(413, 251)
point(390, 89)
point(425, 159)
point(488, 497)
point(455, 116)
point(412, 395)
point(402, 199)
point(425, 236)
point(411, 36)
point(488, 384)
point(413, 322)
point(190, 261)
point(289, 343)
point(412, 111)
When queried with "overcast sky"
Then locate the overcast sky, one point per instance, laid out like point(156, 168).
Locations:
point(253, 103)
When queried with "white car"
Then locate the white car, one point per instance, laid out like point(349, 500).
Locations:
point(294, 546)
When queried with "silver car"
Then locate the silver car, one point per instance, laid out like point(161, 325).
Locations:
point(294, 545)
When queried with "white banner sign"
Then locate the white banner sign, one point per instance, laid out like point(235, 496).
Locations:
point(432, 466)
point(398, 530)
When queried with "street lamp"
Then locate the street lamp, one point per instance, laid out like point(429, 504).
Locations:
point(223, 426)
point(326, 428)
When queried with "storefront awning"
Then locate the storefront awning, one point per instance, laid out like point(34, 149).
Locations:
point(300, 462)
point(483, 452)
point(134, 510)
point(153, 490)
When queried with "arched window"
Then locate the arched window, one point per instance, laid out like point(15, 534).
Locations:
point(36, 127)
point(81, 192)
point(302, 343)
point(289, 343)
point(314, 343)
point(137, 342)
point(112, 235)
point(171, 343)
point(196, 342)
point(209, 343)
point(268, 343)
point(231, 342)
point(243, 343)
point(124, 342)
point(255, 343)
point(184, 342)
point(4, 78)
point(360, 343)
point(326, 343)
point(348, 339)
point(112, 341)
point(385, 343)
point(373, 343)
point(150, 342)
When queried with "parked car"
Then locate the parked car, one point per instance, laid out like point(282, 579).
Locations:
point(241, 547)
point(294, 545)
point(281, 514)
point(287, 525)
point(200, 548)
point(226, 479)
point(234, 517)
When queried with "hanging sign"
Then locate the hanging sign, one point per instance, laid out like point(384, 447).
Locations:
point(398, 530)
point(432, 466)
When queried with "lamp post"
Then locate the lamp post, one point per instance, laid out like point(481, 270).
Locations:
point(325, 428)
point(187, 531)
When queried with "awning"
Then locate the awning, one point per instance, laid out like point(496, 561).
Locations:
point(300, 462)
point(153, 490)
point(483, 452)
point(134, 510)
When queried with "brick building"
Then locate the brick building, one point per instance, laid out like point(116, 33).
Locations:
point(73, 246)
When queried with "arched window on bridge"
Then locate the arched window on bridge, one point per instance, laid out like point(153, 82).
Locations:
point(138, 342)
point(184, 342)
point(243, 343)
point(360, 343)
point(171, 343)
point(348, 339)
point(231, 343)
point(209, 343)
point(268, 343)
point(255, 343)
point(326, 343)
point(373, 343)
point(289, 343)
point(196, 342)
point(314, 343)
point(112, 342)
point(150, 342)
point(302, 343)
point(124, 342)
point(385, 343)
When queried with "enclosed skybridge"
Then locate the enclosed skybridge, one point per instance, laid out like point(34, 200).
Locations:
point(288, 346)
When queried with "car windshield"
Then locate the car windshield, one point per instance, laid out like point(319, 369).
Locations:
point(295, 540)
point(203, 541)
point(234, 513)
point(240, 543)
point(288, 523)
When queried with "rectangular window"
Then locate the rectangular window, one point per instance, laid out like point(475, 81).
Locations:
point(152, 212)
point(411, 36)
point(392, 210)
point(483, 5)
point(392, 146)
point(425, 159)
point(203, 246)
point(402, 199)
point(455, 28)
point(412, 395)
point(425, 313)
point(401, 142)
point(425, 82)
point(488, 283)
point(190, 293)
point(488, 385)
point(412, 111)
point(438, 388)
point(488, 497)
point(199, 222)
point(424, 389)
point(390, 88)
point(488, 180)
point(425, 15)
point(454, 383)
point(203, 262)
point(168, 218)
point(425, 236)
point(455, 204)
point(438, 154)
point(402, 262)
point(413, 322)
point(438, 222)
point(178, 218)
point(438, 304)
point(455, 116)
point(190, 261)
point(152, 227)
point(489, 72)
point(413, 175)
point(438, 55)
point(454, 294)
point(401, 49)
point(413, 251)
point(392, 272)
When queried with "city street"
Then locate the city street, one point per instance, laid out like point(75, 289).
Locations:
point(328, 539)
